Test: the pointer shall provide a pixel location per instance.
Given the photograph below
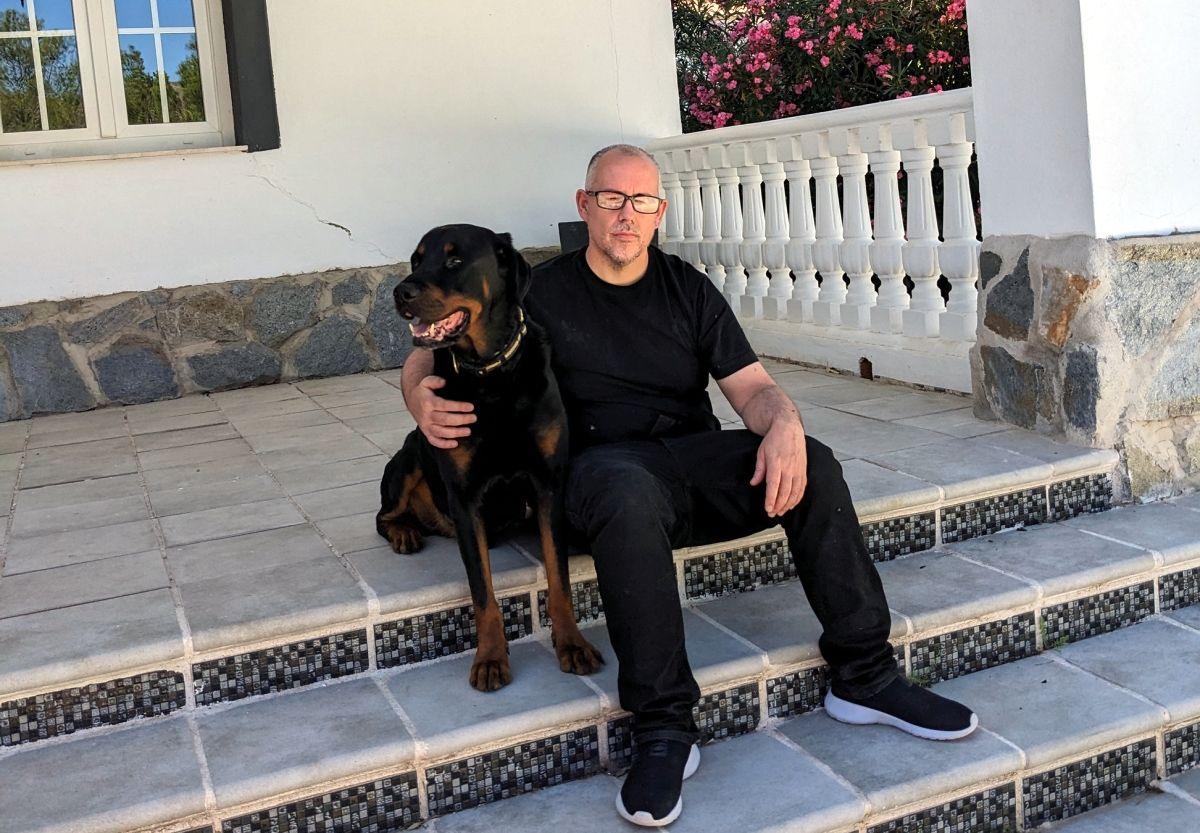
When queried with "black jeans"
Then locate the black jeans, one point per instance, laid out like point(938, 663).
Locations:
point(632, 502)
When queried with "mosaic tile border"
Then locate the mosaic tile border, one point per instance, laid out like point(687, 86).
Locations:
point(441, 633)
point(992, 514)
point(1181, 749)
point(64, 712)
point(738, 569)
point(1080, 495)
point(585, 599)
point(1093, 615)
point(1088, 783)
point(503, 773)
point(386, 805)
point(904, 535)
point(1181, 589)
point(954, 654)
point(798, 692)
point(280, 667)
point(991, 811)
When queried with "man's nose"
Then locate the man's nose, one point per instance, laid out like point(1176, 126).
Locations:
point(626, 211)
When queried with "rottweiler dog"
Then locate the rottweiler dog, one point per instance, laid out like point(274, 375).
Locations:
point(463, 300)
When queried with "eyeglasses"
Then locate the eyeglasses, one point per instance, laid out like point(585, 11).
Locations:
point(615, 201)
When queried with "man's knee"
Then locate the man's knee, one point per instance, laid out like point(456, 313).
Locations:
point(599, 493)
point(822, 464)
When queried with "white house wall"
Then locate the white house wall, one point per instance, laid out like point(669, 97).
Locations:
point(394, 117)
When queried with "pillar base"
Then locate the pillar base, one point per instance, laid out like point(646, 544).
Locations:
point(799, 312)
point(918, 323)
point(958, 326)
point(887, 319)
point(827, 313)
point(750, 306)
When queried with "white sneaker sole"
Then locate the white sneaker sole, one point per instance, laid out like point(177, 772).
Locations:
point(848, 712)
point(644, 819)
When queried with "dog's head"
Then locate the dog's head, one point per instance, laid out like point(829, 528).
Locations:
point(465, 284)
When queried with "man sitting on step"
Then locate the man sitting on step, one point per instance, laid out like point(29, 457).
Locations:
point(635, 334)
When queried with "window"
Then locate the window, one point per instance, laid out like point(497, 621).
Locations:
point(85, 77)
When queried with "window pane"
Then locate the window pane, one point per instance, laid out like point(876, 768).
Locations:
point(18, 86)
point(134, 14)
point(54, 14)
point(60, 76)
point(185, 96)
point(140, 68)
point(14, 16)
point(175, 13)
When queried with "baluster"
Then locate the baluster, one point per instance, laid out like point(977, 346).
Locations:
point(959, 253)
point(754, 227)
point(671, 232)
point(693, 216)
point(710, 245)
point(921, 319)
point(802, 233)
point(775, 305)
point(887, 252)
point(730, 250)
point(827, 308)
point(855, 252)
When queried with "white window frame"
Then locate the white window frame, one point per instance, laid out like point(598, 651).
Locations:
point(108, 131)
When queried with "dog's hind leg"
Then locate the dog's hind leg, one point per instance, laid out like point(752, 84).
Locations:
point(407, 511)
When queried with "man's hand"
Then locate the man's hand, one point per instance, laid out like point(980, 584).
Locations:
point(783, 462)
point(442, 421)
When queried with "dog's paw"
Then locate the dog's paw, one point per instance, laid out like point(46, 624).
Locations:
point(576, 655)
point(405, 539)
point(490, 673)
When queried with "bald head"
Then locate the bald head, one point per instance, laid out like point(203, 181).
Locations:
point(626, 151)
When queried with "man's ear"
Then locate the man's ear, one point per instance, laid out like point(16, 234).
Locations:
point(514, 268)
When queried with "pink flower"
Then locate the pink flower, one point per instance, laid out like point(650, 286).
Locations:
point(732, 85)
point(905, 94)
point(825, 60)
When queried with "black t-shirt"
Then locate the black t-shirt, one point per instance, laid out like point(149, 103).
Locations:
point(633, 362)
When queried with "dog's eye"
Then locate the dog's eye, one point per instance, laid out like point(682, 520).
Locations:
point(453, 262)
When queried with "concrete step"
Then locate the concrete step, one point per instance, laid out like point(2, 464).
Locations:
point(214, 548)
point(1063, 732)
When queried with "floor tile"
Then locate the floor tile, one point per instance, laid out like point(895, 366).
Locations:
point(965, 468)
point(960, 423)
point(63, 548)
point(1170, 530)
point(251, 552)
point(226, 521)
point(59, 587)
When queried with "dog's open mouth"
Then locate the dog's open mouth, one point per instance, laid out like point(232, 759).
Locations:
point(440, 331)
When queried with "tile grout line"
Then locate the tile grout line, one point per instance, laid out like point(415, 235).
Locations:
point(420, 747)
point(185, 628)
point(1159, 560)
point(12, 498)
point(210, 795)
point(1174, 789)
point(1059, 659)
point(763, 657)
point(772, 731)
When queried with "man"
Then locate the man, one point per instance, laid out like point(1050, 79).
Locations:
point(635, 335)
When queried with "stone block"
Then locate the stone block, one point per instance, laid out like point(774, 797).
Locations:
point(282, 309)
point(1152, 287)
point(1009, 304)
point(388, 331)
point(107, 323)
point(1174, 390)
point(11, 316)
point(332, 349)
point(989, 267)
point(45, 376)
point(1081, 388)
point(132, 372)
point(206, 316)
point(1062, 294)
point(1010, 385)
point(234, 367)
point(353, 290)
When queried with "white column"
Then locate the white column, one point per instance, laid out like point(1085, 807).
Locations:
point(826, 249)
point(802, 233)
point(693, 212)
point(855, 251)
point(671, 232)
point(730, 249)
point(775, 305)
point(710, 244)
point(754, 228)
point(958, 255)
point(922, 318)
point(888, 247)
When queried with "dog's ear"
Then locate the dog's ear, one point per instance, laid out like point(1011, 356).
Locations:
point(513, 266)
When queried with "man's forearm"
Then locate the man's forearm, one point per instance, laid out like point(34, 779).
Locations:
point(767, 406)
point(417, 366)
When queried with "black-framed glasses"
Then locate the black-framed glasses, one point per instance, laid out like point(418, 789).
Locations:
point(615, 201)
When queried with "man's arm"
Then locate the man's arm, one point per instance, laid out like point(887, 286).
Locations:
point(767, 411)
point(442, 421)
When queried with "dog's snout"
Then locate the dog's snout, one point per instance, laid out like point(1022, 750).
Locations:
point(406, 292)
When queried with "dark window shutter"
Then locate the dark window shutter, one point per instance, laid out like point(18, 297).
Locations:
point(251, 79)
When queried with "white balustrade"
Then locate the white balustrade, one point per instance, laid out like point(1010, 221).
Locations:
point(766, 207)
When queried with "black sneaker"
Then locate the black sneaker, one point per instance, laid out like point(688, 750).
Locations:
point(916, 710)
point(651, 795)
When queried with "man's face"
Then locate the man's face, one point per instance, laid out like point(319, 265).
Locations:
point(622, 235)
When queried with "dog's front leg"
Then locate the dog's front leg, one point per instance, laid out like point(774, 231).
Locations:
point(575, 654)
point(490, 671)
